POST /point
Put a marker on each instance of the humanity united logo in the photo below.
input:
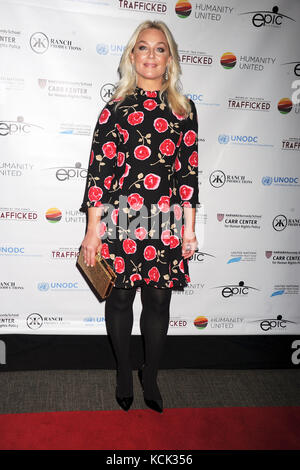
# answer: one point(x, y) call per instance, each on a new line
point(228, 60)
point(285, 105)
point(183, 9)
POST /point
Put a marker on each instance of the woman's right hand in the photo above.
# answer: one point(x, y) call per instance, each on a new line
point(91, 245)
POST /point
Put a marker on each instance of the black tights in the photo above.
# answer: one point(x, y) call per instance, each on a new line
point(154, 323)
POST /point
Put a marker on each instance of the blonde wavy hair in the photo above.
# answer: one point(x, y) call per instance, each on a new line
point(177, 102)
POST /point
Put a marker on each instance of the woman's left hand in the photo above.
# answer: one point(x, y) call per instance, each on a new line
point(189, 244)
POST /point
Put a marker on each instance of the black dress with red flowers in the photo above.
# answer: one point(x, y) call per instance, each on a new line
point(143, 170)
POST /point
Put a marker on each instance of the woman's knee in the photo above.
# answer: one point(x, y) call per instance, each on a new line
point(120, 298)
point(155, 298)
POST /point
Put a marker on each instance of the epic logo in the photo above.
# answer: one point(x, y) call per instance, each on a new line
point(267, 18)
point(232, 290)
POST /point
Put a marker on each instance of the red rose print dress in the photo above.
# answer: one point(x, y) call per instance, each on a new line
point(143, 169)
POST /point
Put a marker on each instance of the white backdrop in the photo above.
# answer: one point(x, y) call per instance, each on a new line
point(241, 66)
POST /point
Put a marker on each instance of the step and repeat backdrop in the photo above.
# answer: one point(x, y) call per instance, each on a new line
point(241, 66)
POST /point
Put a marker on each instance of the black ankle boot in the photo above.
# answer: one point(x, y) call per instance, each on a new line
point(124, 402)
point(155, 405)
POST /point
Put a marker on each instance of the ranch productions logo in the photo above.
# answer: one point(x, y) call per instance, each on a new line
point(66, 89)
point(106, 92)
point(291, 143)
point(242, 221)
point(245, 103)
point(201, 11)
point(18, 127)
point(40, 43)
point(283, 257)
point(218, 178)
point(235, 290)
point(35, 321)
point(15, 169)
point(262, 18)
point(281, 222)
point(144, 7)
point(10, 285)
point(246, 62)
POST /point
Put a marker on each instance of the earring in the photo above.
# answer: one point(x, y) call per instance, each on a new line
point(166, 74)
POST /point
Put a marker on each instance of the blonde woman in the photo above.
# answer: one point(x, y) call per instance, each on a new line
point(144, 150)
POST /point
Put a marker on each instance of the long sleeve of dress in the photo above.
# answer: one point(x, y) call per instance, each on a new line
point(102, 160)
point(187, 162)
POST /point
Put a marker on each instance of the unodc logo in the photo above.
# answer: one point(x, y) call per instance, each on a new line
point(267, 180)
point(43, 286)
point(102, 49)
point(223, 139)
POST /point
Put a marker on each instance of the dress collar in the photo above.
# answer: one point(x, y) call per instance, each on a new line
point(147, 93)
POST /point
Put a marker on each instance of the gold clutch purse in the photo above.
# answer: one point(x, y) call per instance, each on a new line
point(101, 275)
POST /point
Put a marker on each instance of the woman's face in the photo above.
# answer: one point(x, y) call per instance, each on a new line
point(150, 57)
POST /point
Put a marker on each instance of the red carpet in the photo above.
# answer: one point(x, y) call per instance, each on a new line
point(265, 428)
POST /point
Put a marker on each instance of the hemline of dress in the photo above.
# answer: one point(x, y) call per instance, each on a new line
point(140, 283)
